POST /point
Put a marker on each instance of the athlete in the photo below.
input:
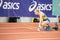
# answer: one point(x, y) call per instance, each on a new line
point(44, 21)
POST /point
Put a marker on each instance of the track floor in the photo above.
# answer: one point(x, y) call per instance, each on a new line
point(26, 31)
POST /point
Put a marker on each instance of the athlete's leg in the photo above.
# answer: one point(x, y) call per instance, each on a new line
point(39, 27)
point(45, 23)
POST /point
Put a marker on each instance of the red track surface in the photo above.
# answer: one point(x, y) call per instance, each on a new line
point(26, 31)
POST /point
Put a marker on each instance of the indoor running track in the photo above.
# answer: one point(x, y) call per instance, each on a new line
point(26, 31)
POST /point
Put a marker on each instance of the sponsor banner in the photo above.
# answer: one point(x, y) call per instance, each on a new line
point(24, 8)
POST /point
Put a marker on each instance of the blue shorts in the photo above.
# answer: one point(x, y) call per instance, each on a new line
point(47, 19)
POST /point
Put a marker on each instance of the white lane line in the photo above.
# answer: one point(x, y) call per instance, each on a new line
point(18, 28)
point(30, 33)
point(38, 38)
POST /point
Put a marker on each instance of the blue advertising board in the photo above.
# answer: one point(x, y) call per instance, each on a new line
point(24, 8)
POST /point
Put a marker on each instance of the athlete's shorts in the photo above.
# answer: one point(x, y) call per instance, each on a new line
point(47, 19)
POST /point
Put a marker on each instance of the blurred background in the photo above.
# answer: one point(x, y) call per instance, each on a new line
point(26, 19)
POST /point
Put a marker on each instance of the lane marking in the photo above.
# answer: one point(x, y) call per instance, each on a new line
point(37, 38)
point(31, 33)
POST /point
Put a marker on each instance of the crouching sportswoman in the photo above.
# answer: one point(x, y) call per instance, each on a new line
point(44, 20)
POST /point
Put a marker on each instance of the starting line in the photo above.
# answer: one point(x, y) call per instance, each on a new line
point(30, 32)
point(40, 39)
